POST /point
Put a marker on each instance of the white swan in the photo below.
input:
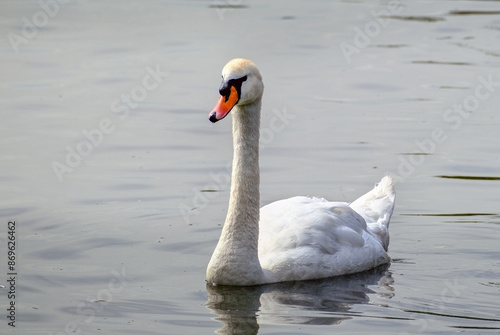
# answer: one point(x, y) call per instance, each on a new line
point(293, 239)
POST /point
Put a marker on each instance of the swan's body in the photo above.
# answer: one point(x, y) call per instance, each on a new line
point(292, 239)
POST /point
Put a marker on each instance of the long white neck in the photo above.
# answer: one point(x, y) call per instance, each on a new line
point(235, 260)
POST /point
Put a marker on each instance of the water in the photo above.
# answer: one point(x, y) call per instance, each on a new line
point(118, 183)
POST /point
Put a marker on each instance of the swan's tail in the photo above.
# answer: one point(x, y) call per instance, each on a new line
point(376, 208)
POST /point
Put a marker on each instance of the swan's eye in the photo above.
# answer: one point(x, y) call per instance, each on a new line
point(237, 82)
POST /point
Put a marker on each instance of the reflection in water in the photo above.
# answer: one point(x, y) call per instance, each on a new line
point(240, 309)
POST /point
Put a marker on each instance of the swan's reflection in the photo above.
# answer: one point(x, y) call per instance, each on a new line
point(241, 309)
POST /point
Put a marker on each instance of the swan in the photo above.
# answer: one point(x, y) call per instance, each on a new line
point(299, 238)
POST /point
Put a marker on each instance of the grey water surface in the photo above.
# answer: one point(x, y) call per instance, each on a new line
point(119, 184)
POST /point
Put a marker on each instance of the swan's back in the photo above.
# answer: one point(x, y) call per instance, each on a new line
point(305, 238)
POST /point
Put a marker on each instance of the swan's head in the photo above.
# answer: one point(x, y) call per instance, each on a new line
point(241, 85)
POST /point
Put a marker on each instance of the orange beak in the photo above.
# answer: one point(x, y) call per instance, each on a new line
point(224, 105)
